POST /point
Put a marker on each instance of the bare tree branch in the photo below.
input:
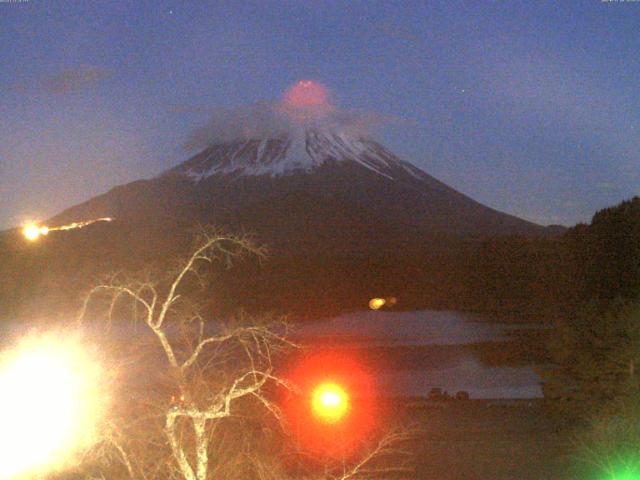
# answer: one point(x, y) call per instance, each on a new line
point(189, 447)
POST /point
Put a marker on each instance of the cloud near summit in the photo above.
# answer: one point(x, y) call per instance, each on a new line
point(268, 119)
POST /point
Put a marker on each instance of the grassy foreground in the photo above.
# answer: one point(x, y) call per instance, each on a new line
point(481, 440)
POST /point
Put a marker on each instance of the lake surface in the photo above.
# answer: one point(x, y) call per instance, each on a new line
point(432, 347)
point(412, 352)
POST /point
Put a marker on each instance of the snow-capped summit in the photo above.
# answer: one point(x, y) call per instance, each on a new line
point(300, 150)
point(304, 176)
point(299, 134)
point(301, 185)
point(343, 217)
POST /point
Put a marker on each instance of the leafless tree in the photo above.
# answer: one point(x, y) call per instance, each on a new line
point(208, 384)
point(387, 456)
point(200, 392)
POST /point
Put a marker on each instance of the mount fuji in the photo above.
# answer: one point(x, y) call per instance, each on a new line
point(306, 190)
point(343, 218)
point(303, 150)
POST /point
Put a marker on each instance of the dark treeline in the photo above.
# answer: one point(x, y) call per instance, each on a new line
point(520, 278)
point(592, 381)
point(583, 282)
point(585, 285)
point(605, 286)
point(552, 276)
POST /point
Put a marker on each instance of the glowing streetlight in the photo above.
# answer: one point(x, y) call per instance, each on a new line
point(330, 402)
point(376, 303)
point(50, 403)
point(32, 231)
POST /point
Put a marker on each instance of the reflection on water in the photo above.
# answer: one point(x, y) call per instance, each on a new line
point(434, 342)
point(412, 351)
point(426, 327)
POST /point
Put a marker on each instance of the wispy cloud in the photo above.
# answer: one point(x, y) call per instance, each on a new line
point(184, 108)
point(267, 119)
point(74, 78)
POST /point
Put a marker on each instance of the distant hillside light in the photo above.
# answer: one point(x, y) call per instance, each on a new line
point(329, 402)
point(32, 231)
point(377, 303)
point(50, 402)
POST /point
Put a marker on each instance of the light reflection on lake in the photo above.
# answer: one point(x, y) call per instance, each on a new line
point(430, 342)
point(441, 361)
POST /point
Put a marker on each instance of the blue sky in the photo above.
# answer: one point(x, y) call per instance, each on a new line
point(530, 107)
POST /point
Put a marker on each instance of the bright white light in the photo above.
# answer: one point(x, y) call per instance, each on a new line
point(32, 232)
point(49, 405)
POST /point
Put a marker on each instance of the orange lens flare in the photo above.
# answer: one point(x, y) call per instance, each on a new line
point(335, 405)
point(330, 402)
